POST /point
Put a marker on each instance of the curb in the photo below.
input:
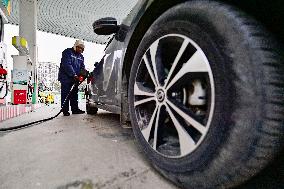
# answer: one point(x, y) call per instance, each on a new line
point(10, 111)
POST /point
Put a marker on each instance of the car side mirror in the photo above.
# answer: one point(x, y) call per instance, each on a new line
point(105, 26)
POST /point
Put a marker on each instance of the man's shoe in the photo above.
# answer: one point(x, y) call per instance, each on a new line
point(66, 113)
point(78, 112)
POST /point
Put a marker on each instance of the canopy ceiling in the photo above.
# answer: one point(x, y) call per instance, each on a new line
point(74, 18)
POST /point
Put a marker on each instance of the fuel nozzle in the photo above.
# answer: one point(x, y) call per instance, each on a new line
point(81, 78)
point(84, 74)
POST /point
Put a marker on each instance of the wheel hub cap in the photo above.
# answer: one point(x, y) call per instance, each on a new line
point(160, 95)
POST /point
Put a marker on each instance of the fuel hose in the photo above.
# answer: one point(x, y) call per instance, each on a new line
point(42, 120)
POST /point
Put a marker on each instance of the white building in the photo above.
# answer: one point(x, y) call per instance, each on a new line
point(47, 76)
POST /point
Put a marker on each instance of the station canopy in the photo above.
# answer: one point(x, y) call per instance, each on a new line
point(74, 18)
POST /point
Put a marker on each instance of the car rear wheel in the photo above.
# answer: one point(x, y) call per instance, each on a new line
point(91, 110)
point(205, 95)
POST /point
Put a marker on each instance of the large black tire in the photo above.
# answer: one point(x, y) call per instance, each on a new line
point(244, 97)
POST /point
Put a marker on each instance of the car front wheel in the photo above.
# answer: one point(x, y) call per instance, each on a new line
point(205, 95)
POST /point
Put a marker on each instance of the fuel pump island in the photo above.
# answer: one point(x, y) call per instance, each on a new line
point(18, 87)
point(21, 85)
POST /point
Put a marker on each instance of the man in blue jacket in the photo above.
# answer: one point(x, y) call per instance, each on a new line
point(72, 62)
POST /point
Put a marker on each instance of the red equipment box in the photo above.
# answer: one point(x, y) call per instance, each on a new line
point(20, 96)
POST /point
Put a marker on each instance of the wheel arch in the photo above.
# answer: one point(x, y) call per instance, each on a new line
point(276, 12)
point(151, 14)
point(154, 10)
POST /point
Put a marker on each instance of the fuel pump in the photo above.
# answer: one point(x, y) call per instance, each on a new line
point(21, 73)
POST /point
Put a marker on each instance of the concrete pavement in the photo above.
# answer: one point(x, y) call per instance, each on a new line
point(80, 151)
point(87, 152)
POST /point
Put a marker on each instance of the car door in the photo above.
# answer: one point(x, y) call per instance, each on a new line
point(107, 74)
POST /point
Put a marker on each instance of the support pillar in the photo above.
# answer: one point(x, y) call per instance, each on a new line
point(27, 29)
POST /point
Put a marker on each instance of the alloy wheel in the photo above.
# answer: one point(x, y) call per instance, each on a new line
point(174, 95)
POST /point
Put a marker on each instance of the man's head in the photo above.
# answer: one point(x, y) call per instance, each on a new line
point(79, 46)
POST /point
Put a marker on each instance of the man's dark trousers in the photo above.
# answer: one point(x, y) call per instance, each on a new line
point(73, 97)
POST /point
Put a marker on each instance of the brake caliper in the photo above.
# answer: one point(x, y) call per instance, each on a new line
point(198, 97)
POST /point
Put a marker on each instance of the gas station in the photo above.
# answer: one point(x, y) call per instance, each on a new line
point(70, 19)
point(192, 111)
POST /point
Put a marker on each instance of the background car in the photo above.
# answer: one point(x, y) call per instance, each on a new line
point(201, 82)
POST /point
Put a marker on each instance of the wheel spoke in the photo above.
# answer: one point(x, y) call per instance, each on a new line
point(139, 89)
point(185, 140)
point(195, 64)
point(180, 53)
point(150, 70)
point(202, 129)
point(146, 132)
point(173, 112)
point(153, 53)
point(156, 128)
point(139, 102)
